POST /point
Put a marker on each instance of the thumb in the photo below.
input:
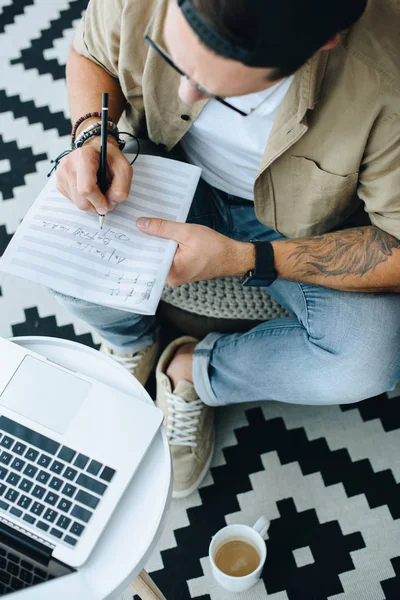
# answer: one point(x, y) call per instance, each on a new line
point(162, 228)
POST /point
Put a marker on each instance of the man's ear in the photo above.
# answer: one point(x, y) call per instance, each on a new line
point(332, 42)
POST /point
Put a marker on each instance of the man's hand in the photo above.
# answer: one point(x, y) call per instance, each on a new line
point(202, 253)
point(77, 177)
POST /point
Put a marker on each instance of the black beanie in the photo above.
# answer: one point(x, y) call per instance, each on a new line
point(281, 28)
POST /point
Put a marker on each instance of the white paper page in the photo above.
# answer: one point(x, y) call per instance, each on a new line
point(63, 248)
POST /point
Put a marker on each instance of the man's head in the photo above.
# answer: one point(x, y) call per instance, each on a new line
point(237, 47)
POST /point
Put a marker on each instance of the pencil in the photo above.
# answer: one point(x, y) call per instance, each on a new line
point(103, 152)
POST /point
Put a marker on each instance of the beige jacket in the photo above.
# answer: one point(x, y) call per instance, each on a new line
point(333, 157)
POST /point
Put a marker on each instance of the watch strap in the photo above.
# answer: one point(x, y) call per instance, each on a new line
point(264, 272)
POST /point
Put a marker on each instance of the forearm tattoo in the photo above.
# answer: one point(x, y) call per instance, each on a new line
point(349, 252)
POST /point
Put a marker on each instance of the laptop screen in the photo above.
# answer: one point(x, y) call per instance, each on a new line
point(22, 565)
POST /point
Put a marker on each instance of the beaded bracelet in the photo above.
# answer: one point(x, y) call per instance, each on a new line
point(97, 132)
point(121, 144)
point(81, 120)
point(111, 128)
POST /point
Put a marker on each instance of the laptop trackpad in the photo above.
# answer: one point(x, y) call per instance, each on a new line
point(46, 394)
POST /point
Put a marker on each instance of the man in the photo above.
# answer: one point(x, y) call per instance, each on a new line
point(300, 150)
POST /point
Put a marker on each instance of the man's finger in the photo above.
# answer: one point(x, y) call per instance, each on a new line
point(78, 200)
point(162, 228)
point(121, 172)
point(87, 188)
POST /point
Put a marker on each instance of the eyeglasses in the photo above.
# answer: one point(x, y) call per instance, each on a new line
point(161, 52)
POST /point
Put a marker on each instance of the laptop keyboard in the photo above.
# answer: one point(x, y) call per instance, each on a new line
point(16, 573)
point(50, 486)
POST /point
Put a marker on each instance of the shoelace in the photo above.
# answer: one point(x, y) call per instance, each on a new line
point(183, 420)
point(129, 362)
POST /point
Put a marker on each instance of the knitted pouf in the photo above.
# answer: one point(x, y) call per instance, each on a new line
point(224, 298)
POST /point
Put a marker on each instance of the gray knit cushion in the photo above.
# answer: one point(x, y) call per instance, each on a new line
point(224, 298)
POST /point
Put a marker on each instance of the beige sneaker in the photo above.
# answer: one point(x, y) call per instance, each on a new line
point(140, 364)
point(189, 424)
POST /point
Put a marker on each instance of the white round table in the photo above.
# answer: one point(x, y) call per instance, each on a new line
point(132, 533)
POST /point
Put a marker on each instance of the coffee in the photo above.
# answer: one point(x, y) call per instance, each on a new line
point(237, 558)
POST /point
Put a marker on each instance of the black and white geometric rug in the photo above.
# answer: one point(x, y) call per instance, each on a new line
point(328, 478)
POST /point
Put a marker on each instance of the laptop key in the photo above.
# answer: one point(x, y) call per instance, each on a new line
point(70, 473)
point(29, 519)
point(64, 505)
point(77, 529)
point(18, 464)
point(56, 532)
point(50, 515)
point(87, 499)
point(17, 584)
point(15, 511)
point(5, 457)
point(51, 498)
point(32, 454)
point(12, 495)
point(2, 488)
point(3, 472)
point(56, 483)
point(38, 491)
point(26, 576)
point(57, 467)
point(13, 557)
point(19, 448)
point(94, 467)
point(43, 476)
point(91, 484)
point(44, 460)
point(24, 502)
point(7, 441)
point(66, 454)
point(81, 513)
point(25, 485)
point(63, 522)
point(30, 470)
point(70, 540)
point(69, 490)
point(42, 525)
point(26, 565)
point(12, 568)
point(4, 505)
point(13, 478)
point(107, 474)
point(5, 577)
point(37, 508)
point(81, 461)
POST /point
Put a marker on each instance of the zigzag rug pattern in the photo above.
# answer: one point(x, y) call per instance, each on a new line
point(328, 478)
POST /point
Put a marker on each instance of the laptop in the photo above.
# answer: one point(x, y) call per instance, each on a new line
point(69, 447)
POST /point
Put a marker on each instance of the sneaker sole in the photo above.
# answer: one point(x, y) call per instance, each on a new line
point(193, 488)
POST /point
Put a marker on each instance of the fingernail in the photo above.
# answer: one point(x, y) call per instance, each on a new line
point(113, 205)
point(143, 223)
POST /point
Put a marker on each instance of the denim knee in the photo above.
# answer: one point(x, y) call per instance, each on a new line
point(361, 371)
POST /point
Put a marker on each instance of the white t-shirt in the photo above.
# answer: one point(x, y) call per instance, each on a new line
point(228, 147)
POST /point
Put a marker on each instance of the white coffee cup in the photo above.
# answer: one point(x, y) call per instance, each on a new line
point(252, 535)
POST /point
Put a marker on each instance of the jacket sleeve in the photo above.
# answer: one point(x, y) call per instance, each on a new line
point(379, 179)
point(99, 32)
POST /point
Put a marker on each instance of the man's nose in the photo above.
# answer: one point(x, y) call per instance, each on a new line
point(188, 93)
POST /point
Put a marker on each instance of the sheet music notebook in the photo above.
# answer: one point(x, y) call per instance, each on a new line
point(62, 248)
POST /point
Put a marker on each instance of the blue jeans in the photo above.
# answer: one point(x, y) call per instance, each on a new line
point(339, 347)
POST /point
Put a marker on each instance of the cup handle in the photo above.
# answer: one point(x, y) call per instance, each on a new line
point(261, 526)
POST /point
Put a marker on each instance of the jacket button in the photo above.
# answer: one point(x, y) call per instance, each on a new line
point(185, 117)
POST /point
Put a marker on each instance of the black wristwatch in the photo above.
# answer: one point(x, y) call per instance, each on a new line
point(264, 273)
